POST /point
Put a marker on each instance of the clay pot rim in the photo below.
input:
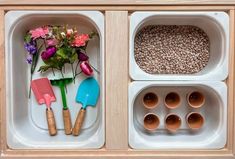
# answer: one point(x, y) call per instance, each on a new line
point(203, 120)
point(172, 130)
point(170, 106)
point(157, 104)
point(198, 106)
point(157, 119)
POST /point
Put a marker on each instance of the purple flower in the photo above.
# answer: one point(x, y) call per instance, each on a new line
point(49, 52)
point(82, 56)
point(31, 47)
point(29, 59)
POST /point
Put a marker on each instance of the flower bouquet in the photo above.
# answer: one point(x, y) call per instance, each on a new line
point(57, 46)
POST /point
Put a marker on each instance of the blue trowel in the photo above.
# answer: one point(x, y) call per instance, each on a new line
point(88, 95)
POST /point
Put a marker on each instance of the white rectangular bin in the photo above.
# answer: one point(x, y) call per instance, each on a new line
point(212, 135)
point(214, 24)
point(26, 120)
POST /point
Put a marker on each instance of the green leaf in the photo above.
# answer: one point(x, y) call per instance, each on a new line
point(73, 58)
point(62, 52)
point(92, 34)
point(44, 68)
point(27, 38)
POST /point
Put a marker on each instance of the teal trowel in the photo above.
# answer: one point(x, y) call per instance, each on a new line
point(61, 83)
point(87, 94)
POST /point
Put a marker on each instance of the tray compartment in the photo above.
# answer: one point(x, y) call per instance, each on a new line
point(213, 133)
point(26, 121)
point(214, 24)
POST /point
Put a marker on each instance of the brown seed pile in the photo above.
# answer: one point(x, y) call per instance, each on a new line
point(171, 49)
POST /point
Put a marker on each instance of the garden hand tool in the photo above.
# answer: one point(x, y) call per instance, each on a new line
point(61, 83)
point(44, 94)
point(87, 95)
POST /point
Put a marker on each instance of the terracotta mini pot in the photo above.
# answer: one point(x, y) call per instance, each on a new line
point(172, 100)
point(151, 121)
point(172, 122)
point(195, 120)
point(150, 100)
point(196, 99)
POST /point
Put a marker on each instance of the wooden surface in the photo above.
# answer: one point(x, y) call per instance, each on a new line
point(128, 8)
point(116, 58)
point(79, 121)
point(67, 121)
point(230, 83)
point(2, 86)
point(116, 79)
point(114, 2)
point(51, 122)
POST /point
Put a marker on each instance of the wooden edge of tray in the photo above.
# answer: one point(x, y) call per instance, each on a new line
point(119, 2)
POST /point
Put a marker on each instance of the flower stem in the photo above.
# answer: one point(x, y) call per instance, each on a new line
point(45, 44)
point(31, 78)
point(73, 73)
point(95, 69)
point(77, 74)
point(61, 73)
point(77, 67)
point(53, 71)
point(63, 78)
point(33, 66)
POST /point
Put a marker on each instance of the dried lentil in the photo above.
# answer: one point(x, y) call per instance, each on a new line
point(171, 49)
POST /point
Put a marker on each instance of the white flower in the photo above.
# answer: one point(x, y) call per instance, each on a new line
point(63, 34)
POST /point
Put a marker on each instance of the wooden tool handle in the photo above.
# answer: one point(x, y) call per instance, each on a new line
point(51, 122)
point(67, 121)
point(79, 122)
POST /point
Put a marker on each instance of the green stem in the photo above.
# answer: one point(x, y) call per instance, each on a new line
point(61, 73)
point(53, 71)
point(31, 78)
point(73, 73)
point(77, 66)
point(34, 65)
point(77, 74)
point(95, 69)
point(45, 44)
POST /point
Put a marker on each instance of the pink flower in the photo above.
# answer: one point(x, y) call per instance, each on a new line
point(86, 68)
point(80, 40)
point(52, 42)
point(39, 32)
point(69, 32)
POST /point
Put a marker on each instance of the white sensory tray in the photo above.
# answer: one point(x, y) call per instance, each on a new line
point(214, 24)
point(26, 120)
point(213, 134)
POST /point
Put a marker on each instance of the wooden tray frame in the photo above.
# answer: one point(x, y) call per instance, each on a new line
point(117, 78)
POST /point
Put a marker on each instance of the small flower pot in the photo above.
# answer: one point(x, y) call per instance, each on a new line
point(150, 100)
point(172, 122)
point(195, 120)
point(172, 100)
point(196, 99)
point(151, 122)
